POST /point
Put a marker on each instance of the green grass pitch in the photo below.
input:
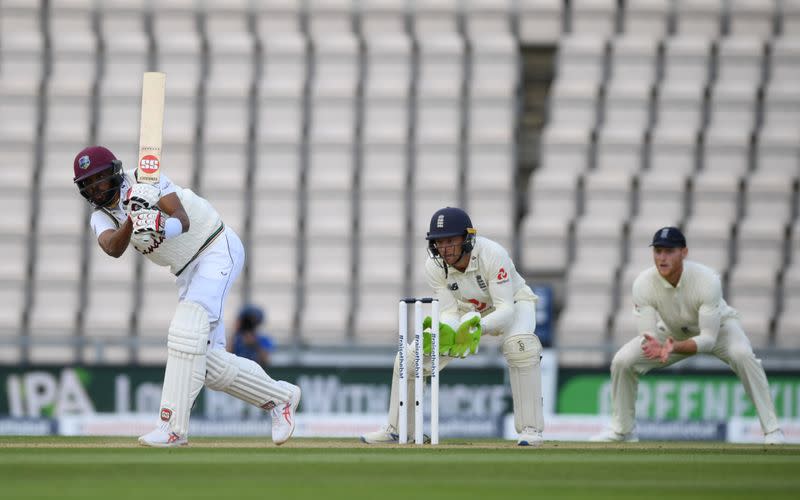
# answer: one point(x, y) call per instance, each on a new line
point(225, 468)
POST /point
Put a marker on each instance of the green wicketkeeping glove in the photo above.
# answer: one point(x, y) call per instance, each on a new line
point(467, 338)
point(446, 337)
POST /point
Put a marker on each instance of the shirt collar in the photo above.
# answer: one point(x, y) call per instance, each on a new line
point(667, 284)
point(473, 262)
point(471, 266)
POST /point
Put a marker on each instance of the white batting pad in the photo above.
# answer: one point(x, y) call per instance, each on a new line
point(186, 365)
point(244, 379)
point(523, 354)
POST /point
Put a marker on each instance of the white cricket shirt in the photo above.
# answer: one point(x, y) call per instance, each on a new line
point(692, 309)
point(490, 285)
point(204, 226)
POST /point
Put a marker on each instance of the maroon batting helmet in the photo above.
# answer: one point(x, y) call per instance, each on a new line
point(98, 175)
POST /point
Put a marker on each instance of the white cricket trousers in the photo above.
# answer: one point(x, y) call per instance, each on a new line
point(732, 347)
point(210, 277)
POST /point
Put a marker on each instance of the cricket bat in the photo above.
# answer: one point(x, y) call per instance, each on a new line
point(148, 168)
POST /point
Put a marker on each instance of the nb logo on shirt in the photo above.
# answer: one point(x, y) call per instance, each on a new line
point(453, 286)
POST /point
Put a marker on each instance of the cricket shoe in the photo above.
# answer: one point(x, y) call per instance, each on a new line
point(388, 435)
point(385, 435)
point(609, 436)
point(530, 437)
point(283, 416)
point(162, 437)
point(774, 437)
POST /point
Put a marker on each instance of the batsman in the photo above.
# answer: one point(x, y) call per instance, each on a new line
point(480, 292)
point(174, 227)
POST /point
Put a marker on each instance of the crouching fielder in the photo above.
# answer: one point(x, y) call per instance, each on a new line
point(474, 277)
point(174, 227)
point(680, 312)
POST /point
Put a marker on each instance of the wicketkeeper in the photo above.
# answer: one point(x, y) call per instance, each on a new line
point(479, 292)
point(174, 227)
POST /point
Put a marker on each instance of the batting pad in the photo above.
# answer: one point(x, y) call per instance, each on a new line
point(523, 354)
point(186, 364)
point(244, 379)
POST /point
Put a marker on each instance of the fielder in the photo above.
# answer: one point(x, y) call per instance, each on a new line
point(174, 227)
point(680, 312)
point(479, 290)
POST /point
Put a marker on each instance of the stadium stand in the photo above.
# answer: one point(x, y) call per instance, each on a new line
point(327, 131)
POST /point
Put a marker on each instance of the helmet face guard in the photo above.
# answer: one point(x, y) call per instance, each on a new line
point(466, 247)
point(101, 187)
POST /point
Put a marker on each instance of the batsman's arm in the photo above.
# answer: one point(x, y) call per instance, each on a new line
point(171, 205)
point(115, 241)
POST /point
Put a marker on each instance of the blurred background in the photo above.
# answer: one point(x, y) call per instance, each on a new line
point(327, 132)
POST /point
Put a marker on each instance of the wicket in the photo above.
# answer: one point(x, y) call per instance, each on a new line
point(419, 381)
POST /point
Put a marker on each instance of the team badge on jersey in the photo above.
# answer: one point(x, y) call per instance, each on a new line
point(452, 286)
point(481, 282)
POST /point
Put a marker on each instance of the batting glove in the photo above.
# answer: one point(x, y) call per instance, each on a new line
point(141, 196)
point(148, 221)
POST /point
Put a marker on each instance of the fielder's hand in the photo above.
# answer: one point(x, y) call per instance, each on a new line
point(140, 197)
point(148, 222)
point(446, 337)
point(654, 349)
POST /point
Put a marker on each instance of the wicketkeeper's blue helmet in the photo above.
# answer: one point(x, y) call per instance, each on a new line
point(448, 222)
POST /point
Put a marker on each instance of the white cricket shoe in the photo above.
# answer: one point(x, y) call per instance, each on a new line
point(162, 437)
point(388, 435)
point(774, 437)
point(530, 437)
point(283, 416)
point(609, 436)
point(385, 435)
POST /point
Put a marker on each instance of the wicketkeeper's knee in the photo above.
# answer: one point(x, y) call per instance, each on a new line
point(521, 350)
